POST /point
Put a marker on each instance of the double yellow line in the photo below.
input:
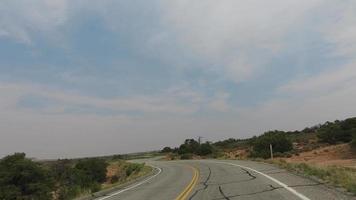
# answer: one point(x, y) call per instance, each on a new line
point(184, 195)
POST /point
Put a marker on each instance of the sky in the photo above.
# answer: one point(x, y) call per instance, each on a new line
point(89, 77)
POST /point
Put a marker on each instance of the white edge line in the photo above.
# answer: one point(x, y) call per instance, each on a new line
point(133, 186)
point(301, 196)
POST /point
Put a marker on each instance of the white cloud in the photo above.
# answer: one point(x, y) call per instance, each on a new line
point(329, 95)
point(235, 36)
point(297, 113)
point(55, 133)
point(20, 17)
point(340, 29)
point(220, 102)
point(328, 81)
point(175, 100)
point(169, 102)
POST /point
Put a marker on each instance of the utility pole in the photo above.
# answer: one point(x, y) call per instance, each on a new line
point(271, 149)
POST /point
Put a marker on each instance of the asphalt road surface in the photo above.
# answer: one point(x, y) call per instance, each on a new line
point(224, 180)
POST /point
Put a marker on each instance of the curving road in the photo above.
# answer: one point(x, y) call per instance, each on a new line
point(224, 180)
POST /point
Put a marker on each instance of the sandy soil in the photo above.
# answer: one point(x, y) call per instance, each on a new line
point(340, 155)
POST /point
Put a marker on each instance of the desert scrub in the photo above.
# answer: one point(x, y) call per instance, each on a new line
point(134, 168)
point(338, 176)
point(122, 172)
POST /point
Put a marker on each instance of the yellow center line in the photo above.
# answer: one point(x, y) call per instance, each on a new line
point(184, 195)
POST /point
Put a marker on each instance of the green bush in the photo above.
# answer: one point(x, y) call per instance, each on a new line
point(190, 146)
point(134, 168)
point(93, 168)
point(338, 131)
point(279, 141)
point(205, 149)
point(166, 150)
point(114, 179)
point(95, 187)
point(228, 143)
point(21, 178)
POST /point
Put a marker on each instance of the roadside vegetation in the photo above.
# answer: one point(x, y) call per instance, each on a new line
point(289, 143)
point(191, 149)
point(22, 178)
point(336, 175)
point(284, 143)
point(325, 151)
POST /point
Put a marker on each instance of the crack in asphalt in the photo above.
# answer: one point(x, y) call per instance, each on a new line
point(249, 173)
point(272, 188)
point(207, 179)
point(251, 177)
point(223, 194)
point(205, 183)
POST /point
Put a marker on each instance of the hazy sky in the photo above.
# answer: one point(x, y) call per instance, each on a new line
point(94, 77)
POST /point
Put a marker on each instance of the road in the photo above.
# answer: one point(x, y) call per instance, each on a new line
point(224, 180)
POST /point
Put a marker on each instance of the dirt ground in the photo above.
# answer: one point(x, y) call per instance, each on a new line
point(340, 155)
point(237, 154)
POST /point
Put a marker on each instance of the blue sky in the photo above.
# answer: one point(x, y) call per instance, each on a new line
point(82, 78)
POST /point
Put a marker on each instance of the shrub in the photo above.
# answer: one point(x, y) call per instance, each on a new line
point(134, 168)
point(189, 146)
point(21, 178)
point(93, 168)
point(278, 139)
point(114, 179)
point(95, 187)
point(338, 131)
point(166, 150)
point(205, 149)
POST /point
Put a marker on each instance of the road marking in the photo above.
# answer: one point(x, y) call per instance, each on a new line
point(301, 196)
point(133, 186)
point(184, 195)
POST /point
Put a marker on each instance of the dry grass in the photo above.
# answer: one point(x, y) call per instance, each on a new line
point(118, 169)
point(344, 177)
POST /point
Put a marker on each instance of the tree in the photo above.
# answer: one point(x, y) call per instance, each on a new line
point(338, 131)
point(189, 146)
point(166, 150)
point(228, 143)
point(21, 178)
point(205, 149)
